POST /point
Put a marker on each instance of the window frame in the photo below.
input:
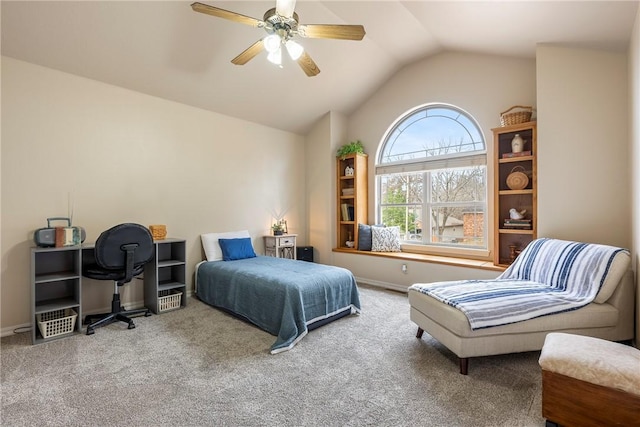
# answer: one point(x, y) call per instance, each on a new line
point(426, 166)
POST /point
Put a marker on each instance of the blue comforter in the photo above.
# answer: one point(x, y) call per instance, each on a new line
point(281, 296)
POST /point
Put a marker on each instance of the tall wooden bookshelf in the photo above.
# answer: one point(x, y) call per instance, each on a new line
point(510, 239)
point(352, 198)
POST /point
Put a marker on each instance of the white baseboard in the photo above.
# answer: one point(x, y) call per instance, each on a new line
point(379, 284)
point(9, 330)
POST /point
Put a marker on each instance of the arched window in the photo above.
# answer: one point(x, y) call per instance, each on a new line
point(431, 178)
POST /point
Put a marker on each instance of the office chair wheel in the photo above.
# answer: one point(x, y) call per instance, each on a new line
point(90, 331)
point(131, 325)
point(147, 314)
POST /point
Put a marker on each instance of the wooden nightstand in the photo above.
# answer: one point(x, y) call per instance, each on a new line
point(283, 246)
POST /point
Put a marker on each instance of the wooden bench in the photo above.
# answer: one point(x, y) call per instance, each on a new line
point(588, 381)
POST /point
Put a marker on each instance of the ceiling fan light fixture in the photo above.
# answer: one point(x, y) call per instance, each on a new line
point(295, 49)
point(281, 24)
point(285, 7)
point(272, 43)
point(275, 57)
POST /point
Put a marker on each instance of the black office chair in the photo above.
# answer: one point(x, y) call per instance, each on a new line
point(120, 254)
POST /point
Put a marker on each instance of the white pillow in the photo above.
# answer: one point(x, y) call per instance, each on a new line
point(385, 239)
point(211, 246)
point(617, 269)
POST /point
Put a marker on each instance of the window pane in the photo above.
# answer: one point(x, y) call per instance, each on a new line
point(431, 177)
point(459, 185)
point(401, 189)
point(458, 225)
point(408, 218)
point(432, 132)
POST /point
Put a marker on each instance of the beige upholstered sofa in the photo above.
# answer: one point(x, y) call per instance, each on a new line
point(609, 316)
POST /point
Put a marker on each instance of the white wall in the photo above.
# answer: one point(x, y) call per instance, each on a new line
point(634, 132)
point(125, 156)
point(583, 145)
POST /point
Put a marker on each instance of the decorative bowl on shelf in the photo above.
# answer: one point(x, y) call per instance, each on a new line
point(517, 179)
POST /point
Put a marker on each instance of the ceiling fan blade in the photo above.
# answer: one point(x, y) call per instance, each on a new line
point(285, 7)
point(249, 53)
point(308, 66)
point(221, 13)
point(342, 32)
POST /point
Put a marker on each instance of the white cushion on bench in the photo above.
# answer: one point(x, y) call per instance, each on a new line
point(593, 360)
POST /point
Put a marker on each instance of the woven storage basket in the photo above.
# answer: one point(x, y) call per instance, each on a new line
point(508, 118)
point(158, 232)
point(169, 300)
point(517, 179)
point(57, 322)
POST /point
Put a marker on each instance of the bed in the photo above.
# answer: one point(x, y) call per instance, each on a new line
point(284, 297)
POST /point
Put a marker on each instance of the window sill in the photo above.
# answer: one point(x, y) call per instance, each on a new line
point(453, 261)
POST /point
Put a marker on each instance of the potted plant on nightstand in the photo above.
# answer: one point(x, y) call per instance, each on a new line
point(278, 229)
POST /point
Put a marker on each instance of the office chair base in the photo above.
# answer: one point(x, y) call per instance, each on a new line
point(118, 313)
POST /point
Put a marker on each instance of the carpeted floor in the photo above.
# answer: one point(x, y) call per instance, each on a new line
point(201, 367)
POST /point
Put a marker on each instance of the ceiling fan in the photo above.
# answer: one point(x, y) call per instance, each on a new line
point(281, 25)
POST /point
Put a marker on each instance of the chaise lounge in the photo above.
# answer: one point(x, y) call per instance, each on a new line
point(553, 286)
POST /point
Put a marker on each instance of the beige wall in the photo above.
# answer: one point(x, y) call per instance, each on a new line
point(583, 145)
point(587, 133)
point(634, 132)
point(321, 144)
point(319, 193)
point(125, 156)
point(581, 99)
point(195, 170)
point(484, 86)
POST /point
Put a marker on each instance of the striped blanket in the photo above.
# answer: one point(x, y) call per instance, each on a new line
point(549, 276)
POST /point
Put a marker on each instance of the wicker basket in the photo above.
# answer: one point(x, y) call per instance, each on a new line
point(517, 179)
point(508, 118)
point(169, 300)
point(57, 322)
point(158, 232)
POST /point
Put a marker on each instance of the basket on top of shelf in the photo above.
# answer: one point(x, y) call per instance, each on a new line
point(57, 322)
point(508, 118)
point(169, 299)
point(158, 232)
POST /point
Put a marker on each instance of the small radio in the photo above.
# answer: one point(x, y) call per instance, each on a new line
point(59, 236)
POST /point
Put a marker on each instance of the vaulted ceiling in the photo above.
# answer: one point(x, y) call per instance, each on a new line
point(165, 49)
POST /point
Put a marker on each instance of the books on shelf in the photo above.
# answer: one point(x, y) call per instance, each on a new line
point(522, 224)
point(347, 212)
point(347, 191)
point(520, 154)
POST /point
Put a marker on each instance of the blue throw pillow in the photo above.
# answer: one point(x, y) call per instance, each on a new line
point(233, 249)
point(364, 236)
